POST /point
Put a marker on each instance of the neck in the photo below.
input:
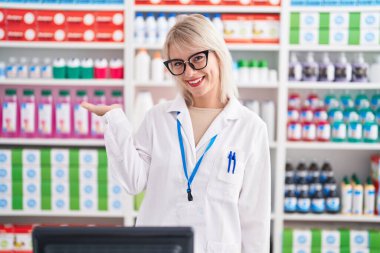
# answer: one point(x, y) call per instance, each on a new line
point(207, 103)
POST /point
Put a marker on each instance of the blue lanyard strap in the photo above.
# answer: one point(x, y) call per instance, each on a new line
point(195, 170)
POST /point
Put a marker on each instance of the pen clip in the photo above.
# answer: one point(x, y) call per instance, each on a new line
point(229, 161)
point(234, 159)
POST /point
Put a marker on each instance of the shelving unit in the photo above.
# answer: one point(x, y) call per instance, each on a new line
point(281, 149)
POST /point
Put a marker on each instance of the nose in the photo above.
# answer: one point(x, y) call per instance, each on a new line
point(189, 71)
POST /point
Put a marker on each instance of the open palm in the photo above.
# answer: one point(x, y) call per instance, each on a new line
point(99, 110)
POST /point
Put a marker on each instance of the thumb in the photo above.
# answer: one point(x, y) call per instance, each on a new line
point(88, 106)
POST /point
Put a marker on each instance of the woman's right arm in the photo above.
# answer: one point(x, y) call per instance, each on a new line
point(128, 158)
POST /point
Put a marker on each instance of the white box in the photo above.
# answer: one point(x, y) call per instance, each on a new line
point(60, 189)
point(330, 239)
point(356, 250)
point(369, 36)
point(330, 250)
point(309, 20)
point(369, 19)
point(309, 37)
point(116, 205)
point(88, 157)
point(60, 203)
point(31, 188)
point(301, 250)
point(339, 20)
point(115, 190)
point(88, 174)
point(359, 239)
point(60, 157)
point(59, 173)
point(6, 241)
point(301, 238)
point(88, 204)
point(5, 173)
point(5, 188)
point(338, 36)
point(31, 157)
point(89, 189)
point(5, 202)
point(32, 173)
point(31, 202)
point(5, 157)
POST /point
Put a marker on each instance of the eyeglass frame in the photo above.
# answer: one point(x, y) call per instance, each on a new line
point(206, 52)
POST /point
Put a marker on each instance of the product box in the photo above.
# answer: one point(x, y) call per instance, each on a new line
point(308, 37)
point(32, 188)
point(359, 250)
point(51, 26)
point(339, 20)
point(31, 157)
point(330, 239)
point(5, 173)
point(6, 238)
point(5, 203)
point(109, 34)
point(3, 14)
point(31, 203)
point(80, 20)
point(3, 34)
point(338, 37)
point(22, 238)
point(301, 238)
point(369, 36)
point(31, 173)
point(266, 28)
point(238, 28)
point(88, 157)
point(59, 173)
point(359, 239)
point(309, 20)
point(266, 2)
point(88, 174)
point(20, 33)
point(5, 157)
point(301, 250)
point(59, 157)
point(330, 250)
point(60, 196)
point(113, 19)
point(23, 18)
point(369, 19)
point(88, 203)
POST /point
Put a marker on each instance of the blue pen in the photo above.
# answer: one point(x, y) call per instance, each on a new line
point(234, 158)
point(229, 161)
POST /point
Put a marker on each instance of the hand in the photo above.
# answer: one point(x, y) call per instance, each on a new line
point(99, 110)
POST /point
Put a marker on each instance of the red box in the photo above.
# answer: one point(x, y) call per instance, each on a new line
point(6, 238)
point(51, 26)
point(237, 2)
point(21, 33)
point(109, 34)
point(266, 2)
point(3, 15)
point(80, 20)
point(21, 18)
point(23, 239)
point(266, 28)
point(238, 28)
point(113, 19)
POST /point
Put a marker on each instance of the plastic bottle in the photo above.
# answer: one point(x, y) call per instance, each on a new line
point(313, 172)
point(28, 114)
point(357, 204)
point(268, 115)
point(375, 101)
point(63, 114)
point(35, 68)
point(338, 129)
point(144, 102)
point(73, 68)
point(151, 28)
point(142, 63)
point(300, 179)
point(162, 28)
point(370, 129)
point(101, 68)
point(346, 101)
point(331, 101)
point(362, 101)
point(87, 68)
point(347, 194)
point(289, 171)
point(333, 202)
point(369, 198)
point(318, 201)
point(218, 23)
point(243, 67)
point(374, 71)
point(360, 69)
point(343, 69)
point(290, 201)
point(45, 121)
point(139, 28)
point(326, 69)
point(303, 202)
point(117, 69)
point(10, 114)
point(22, 69)
point(307, 114)
point(116, 97)
point(11, 69)
point(97, 126)
point(46, 69)
point(81, 115)
point(295, 68)
point(2, 70)
point(313, 185)
point(330, 185)
point(326, 172)
point(157, 68)
point(59, 68)
point(310, 68)
point(263, 71)
point(354, 129)
point(171, 20)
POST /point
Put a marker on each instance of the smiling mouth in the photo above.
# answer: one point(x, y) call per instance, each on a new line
point(195, 82)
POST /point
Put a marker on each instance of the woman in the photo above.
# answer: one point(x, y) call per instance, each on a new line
point(203, 158)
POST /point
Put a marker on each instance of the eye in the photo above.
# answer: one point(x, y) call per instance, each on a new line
point(177, 64)
point(198, 58)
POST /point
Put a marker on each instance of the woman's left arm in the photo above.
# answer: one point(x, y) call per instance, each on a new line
point(255, 196)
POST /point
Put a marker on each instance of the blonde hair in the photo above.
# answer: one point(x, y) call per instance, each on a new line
point(196, 30)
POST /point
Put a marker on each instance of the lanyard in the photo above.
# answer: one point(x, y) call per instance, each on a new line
point(195, 170)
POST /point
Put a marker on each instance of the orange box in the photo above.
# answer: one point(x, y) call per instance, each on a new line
point(109, 34)
point(266, 28)
point(238, 28)
point(111, 19)
point(21, 17)
point(21, 33)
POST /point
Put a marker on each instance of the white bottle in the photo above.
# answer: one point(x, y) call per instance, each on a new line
point(357, 204)
point(157, 68)
point(343, 69)
point(22, 69)
point(268, 115)
point(263, 71)
point(11, 70)
point(151, 29)
point(46, 69)
point(172, 19)
point(144, 102)
point(35, 68)
point(162, 28)
point(254, 72)
point(217, 21)
point(374, 71)
point(139, 24)
point(295, 68)
point(326, 69)
point(142, 63)
point(369, 198)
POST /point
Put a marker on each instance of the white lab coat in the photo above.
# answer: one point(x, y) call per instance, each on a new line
point(230, 213)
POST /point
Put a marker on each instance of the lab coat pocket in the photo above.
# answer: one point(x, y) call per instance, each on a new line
point(218, 247)
point(230, 167)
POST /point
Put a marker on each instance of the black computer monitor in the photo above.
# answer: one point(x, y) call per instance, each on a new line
point(112, 240)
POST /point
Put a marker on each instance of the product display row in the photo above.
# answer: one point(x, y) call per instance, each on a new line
point(151, 28)
point(92, 2)
point(50, 25)
point(328, 3)
point(335, 28)
point(333, 70)
point(53, 113)
point(212, 2)
point(330, 241)
point(73, 68)
point(58, 180)
point(252, 72)
point(334, 119)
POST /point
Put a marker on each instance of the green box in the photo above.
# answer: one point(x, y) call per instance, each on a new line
point(354, 37)
point(374, 240)
point(287, 240)
point(324, 20)
point(294, 37)
point(294, 20)
point(344, 239)
point(354, 20)
point(324, 37)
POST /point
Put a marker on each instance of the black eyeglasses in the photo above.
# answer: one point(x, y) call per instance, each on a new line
point(196, 61)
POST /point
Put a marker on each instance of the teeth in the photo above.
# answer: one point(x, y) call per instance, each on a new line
point(195, 81)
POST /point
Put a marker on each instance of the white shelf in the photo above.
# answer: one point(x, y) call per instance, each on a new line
point(331, 218)
point(333, 8)
point(52, 142)
point(65, 82)
point(258, 86)
point(333, 146)
point(169, 84)
point(73, 214)
point(152, 84)
point(231, 46)
point(207, 9)
point(62, 45)
point(335, 48)
point(332, 85)
point(75, 7)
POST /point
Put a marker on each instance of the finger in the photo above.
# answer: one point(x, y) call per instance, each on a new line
point(88, 106)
